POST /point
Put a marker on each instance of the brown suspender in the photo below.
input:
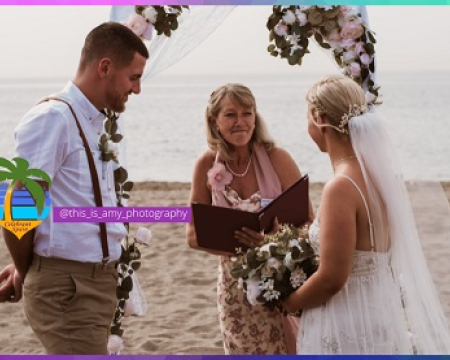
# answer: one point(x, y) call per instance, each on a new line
point(94, 177)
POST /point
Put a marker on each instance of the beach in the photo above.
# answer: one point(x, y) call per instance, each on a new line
point(180, 283)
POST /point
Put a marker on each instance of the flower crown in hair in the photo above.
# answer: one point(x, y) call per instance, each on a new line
point(353, 110)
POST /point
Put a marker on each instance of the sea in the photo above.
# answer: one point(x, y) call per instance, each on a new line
point(165, 133)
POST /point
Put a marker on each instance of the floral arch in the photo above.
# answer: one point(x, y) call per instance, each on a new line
point(341, 30)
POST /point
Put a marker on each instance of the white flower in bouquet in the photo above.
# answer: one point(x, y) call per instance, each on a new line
point(294, 48)
point(289, 18)
point(370, 98)
point(115, 345)
point(266, 247)
point(270, 293)
point(253, 291)
point(271, 267)
point(151, 14)
point(143, 235)
point(298, 277)
point(302, 17)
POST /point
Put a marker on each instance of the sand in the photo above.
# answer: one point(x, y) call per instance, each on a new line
point(180, 283)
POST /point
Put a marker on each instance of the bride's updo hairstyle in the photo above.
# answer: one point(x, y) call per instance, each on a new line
point(336, 98)
point(242, 96)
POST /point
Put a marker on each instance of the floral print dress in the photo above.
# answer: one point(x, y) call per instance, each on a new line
point(246, 329)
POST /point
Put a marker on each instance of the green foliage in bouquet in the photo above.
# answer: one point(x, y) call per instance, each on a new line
point(269, 273)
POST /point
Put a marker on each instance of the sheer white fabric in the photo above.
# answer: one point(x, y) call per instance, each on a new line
point(195, 25)
point(389, 304)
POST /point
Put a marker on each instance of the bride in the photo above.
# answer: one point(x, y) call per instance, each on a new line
point(372, 293)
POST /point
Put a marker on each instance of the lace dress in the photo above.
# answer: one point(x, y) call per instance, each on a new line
point(360, 318)
point(246, 329)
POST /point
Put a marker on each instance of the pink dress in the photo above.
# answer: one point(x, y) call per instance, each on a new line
point(246, 329)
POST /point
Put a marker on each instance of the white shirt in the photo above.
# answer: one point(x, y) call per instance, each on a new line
point(49, 139)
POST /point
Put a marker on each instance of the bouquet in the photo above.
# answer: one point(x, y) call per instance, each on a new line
point(269, 273)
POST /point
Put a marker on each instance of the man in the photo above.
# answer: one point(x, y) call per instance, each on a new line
point(69, 293)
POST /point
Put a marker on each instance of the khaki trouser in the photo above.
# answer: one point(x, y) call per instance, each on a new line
point(70, 305)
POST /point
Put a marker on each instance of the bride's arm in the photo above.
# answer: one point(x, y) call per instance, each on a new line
point(337, 246)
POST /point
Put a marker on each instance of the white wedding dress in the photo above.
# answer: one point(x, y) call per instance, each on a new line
point(365, 317)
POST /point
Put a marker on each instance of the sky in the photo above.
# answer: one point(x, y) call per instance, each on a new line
point(45, 41)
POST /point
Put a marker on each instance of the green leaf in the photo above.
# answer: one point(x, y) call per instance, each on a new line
point(325, 45)
point(293, 59)
point(318, 38)
point(371, 37)
point(315, 17)
point(103, 139)
point(108, 125)
point(113, 127)
point(128, 186)
point(125, 196)
point(116, 138)
point(120, 175)
point(271, 48)
point(174, 25)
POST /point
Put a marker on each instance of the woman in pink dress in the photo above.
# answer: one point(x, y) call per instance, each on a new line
point(243, 169)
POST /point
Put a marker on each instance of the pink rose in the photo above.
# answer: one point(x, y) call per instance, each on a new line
point(137, 24)
point(347, 43)
point(365, 59)
point(359, 48)
point(352, 30)
point(218, 177)
point(355, 69)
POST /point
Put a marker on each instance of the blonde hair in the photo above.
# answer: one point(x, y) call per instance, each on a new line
point(333, 98)
point(238, 95)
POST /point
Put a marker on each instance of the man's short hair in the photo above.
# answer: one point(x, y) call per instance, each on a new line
point(112, 40)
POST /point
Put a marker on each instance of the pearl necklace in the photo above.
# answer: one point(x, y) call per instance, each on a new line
point(246, 169)
point(343, 159)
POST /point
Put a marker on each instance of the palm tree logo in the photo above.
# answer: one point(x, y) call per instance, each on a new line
point(17, 172)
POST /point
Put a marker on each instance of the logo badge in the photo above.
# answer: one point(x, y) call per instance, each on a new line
point(24, 196)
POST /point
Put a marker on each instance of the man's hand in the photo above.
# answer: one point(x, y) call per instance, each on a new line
point(10, 284)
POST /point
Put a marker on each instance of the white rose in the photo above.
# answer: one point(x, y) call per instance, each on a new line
point(266, 247)
point(289, 17)
point(143, 235)
point(115, 345)
point(302, 18)
point(112, 147)
point(150, 14)
point(281, 29)
point(137, 24)
point(349, 56)
point(253, 291)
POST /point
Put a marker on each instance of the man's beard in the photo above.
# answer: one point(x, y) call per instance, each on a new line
point(115, 101)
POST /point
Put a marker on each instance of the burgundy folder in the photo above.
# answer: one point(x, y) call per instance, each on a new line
point(215, 226)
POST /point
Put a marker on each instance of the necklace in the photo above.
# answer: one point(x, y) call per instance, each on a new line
point(342, 160)
point(246, 169)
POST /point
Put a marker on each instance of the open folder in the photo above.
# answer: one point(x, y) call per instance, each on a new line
point(215, 226)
